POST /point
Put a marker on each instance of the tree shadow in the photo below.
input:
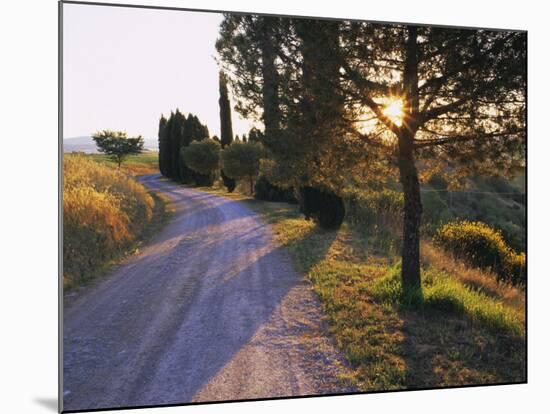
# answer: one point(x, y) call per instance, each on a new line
point(441, 349)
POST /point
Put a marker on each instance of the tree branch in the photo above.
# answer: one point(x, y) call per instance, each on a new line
point(459, 138)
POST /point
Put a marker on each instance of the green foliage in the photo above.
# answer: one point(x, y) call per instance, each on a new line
point(442, 292)
point(162, 145)
point(301, 73)
point(226, 127)
point(515, 268)
point(496, 201)
point(117, 144)
point(174, 134)
point(203, 157)
point(481, 246)
point(378, 210)
point(176, 141)
point(324, 206)
point(434, 209)
point(241, 161)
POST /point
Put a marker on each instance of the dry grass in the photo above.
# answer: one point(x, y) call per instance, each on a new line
point(105, 212)
point(482, 280)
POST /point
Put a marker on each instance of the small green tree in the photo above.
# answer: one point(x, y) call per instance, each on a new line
point(203, 157)
point(117, 145)
point(241, 161)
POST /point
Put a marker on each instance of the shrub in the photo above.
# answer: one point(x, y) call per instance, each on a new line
point(265, 190)
point(241, 161)
point(203, 157)
point(481, 246)
point(326, 208)
point(515, 266)
point(103, 212)
point(378, 210)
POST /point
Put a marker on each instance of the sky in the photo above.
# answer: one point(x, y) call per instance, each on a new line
point(123, 67)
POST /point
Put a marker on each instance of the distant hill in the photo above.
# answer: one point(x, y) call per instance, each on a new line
point(87, 145)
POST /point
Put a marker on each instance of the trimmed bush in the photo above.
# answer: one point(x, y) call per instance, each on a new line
point(203, 157)
point(484, 247)
point(325, 207)
point(265, 190)
point(241, 161)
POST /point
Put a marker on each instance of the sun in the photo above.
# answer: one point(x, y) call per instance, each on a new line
point(394, 110)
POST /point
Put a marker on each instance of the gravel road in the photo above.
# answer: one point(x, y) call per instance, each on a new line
point(211, 309)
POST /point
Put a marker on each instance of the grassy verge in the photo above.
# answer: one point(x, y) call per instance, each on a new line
point(463, 329)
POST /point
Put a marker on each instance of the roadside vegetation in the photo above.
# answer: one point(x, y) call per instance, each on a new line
point(463, 327)
point(106, 215)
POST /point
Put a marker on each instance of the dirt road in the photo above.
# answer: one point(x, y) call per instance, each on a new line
point(210, 310)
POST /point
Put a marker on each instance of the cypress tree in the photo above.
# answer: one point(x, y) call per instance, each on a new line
point(167, 147)
point(162, 143)
point(193, 130)
point(176, 138)
point(226, 127)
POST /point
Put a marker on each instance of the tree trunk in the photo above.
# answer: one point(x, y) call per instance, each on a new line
point(412, 213)
point(412, 207)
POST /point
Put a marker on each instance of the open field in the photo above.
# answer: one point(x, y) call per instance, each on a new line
point(144, 163)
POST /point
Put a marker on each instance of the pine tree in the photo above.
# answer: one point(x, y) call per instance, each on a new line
point(456, 100)
point(453, 99)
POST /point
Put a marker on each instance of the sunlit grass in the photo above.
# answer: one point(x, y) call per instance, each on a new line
point(105, 212)
point(140, 164)
point(442, 292)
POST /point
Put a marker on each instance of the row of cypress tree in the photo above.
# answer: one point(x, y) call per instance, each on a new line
point(175, 133)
